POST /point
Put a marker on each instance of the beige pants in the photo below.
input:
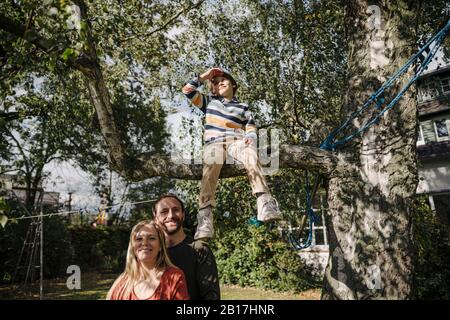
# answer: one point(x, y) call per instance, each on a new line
point(215, 155)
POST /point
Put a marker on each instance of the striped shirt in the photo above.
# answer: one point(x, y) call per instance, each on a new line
point(223, 119)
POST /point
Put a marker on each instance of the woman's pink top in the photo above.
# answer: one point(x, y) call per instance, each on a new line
point(172, 286)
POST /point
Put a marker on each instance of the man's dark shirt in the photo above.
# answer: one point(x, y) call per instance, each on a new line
point(198, 263)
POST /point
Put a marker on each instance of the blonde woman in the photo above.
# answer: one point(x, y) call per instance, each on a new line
point(149, 274)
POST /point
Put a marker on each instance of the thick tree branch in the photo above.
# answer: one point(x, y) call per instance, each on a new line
point(99, 95)
point(297, 157)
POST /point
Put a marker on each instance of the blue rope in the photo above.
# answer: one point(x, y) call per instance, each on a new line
point(330, 144)
point(312, 217)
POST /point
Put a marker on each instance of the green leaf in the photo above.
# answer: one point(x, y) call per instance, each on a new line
point(3, 220)
point(69, 53)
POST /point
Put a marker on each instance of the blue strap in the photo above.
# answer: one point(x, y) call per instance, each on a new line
point(425, 55)
point(312, 217)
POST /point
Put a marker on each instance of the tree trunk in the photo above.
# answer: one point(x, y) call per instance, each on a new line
point(369, 221)
point(89, 65)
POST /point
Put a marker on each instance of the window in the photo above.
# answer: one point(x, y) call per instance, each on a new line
point(420, 139)
point(442, 132)
point(319, 235)
point(445, 83)
point(428, 91)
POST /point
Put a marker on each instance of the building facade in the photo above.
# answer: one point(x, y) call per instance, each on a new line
point(433, 143)
point(15, 189)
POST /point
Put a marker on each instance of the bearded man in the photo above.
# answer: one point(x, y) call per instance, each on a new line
point(195, 258)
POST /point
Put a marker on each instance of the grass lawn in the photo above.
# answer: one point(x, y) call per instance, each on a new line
point(94, 286)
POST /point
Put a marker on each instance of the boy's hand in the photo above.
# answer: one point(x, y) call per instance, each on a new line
point(248, 141)
point(211, 73)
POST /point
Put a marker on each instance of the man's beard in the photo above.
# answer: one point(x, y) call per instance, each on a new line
point(172, 231)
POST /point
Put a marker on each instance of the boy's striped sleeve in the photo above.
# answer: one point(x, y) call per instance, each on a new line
point(190, 90)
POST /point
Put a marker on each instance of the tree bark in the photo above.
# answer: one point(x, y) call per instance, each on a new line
point(369, 221)
point(89, 65)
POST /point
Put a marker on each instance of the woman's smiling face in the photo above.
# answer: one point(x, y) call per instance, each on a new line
point(146, 244)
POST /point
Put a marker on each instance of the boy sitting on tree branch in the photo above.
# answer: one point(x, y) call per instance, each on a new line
point(229, 128)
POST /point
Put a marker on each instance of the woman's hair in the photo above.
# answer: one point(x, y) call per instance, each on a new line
point(133, 272)
point(227, 76)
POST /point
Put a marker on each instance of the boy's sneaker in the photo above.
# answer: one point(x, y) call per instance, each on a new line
point(205, 227)
point(267, 208)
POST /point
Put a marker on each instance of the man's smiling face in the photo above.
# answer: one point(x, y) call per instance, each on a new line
point(169, 214)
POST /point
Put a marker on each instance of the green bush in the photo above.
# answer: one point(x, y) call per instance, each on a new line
point(58, 249)
point(114, 245)
point(252, 256)
point(101, 248)
point(432, 261)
